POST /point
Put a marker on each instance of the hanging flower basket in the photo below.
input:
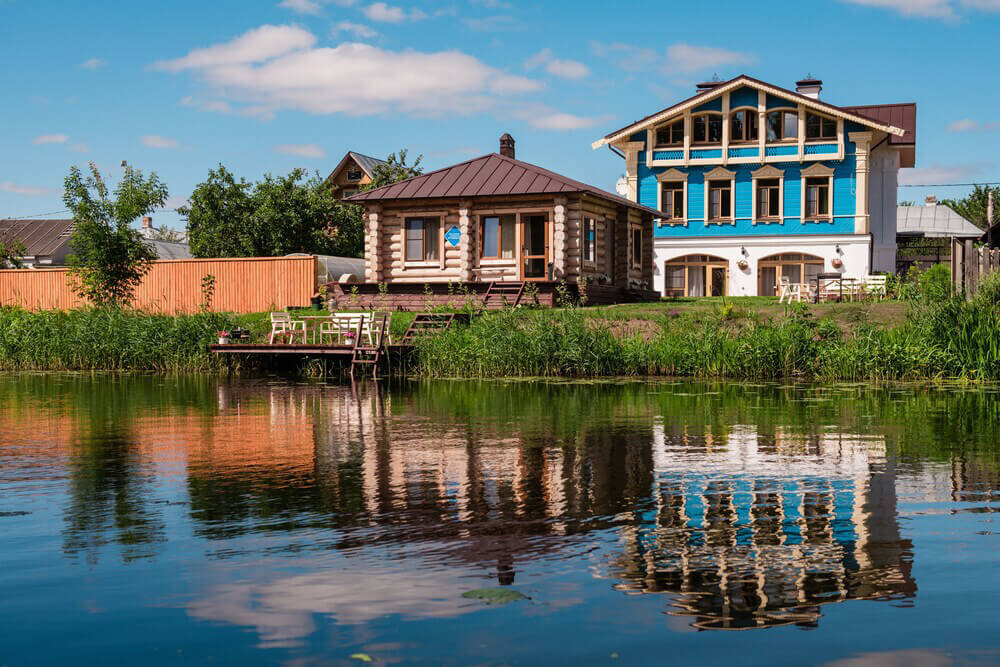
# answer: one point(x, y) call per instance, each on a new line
point(743, 264)
point(837, 262)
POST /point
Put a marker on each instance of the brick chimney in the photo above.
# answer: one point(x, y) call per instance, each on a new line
point(809, 87)
point(147, 222)
point(507, 146)
point(930, 200)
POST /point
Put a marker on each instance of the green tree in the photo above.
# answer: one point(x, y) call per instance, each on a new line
point(973, 206)
point(108, 257)
point(394, 170)
point(11, 252)
point(276, 216)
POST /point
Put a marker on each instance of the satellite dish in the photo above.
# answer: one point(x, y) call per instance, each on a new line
point(621, 187)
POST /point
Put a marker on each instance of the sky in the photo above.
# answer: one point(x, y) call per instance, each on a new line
point(179, 87)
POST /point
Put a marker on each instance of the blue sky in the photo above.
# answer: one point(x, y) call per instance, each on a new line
point(178, 87)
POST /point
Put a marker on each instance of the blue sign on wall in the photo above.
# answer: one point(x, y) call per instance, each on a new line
point(453, 236)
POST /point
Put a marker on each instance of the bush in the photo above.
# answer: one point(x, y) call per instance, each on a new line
point(935, 283)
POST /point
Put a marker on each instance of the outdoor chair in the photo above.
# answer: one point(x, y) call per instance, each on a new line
point(788, 290)
point(876, 286)
point(342, 325)
point(283, 326)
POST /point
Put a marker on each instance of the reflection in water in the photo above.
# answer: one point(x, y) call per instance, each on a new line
point(741, 507)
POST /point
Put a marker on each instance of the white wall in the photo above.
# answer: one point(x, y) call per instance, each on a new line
point(854, 253)
point(883, 185)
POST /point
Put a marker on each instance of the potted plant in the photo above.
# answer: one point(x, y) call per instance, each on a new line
point(837, 262)
point(223, 337)
point(743, 264)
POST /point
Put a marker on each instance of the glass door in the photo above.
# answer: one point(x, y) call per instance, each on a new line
point(534, 247)
point(718, 276)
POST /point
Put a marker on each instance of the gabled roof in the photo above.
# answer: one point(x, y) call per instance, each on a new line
point(366, 162)
point(488, 176)
point(903, 116)
point(170, 249)
point(938, 221)
point(40, 238)
point(732, 84)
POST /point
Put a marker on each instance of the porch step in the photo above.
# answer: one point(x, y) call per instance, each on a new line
point(370, 355)
point(428, 324)
point(500, 295)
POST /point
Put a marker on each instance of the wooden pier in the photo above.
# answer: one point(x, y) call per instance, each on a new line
point(307, 349)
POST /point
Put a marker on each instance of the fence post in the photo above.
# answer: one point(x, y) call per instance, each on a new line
point(967, 256)
point(956, 277)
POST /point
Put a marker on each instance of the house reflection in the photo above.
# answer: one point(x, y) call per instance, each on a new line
point(742, 528)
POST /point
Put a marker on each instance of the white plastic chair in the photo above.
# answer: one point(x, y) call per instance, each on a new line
point(342, 325)
point(283, 326)
point(788, 290)
point(876, 285)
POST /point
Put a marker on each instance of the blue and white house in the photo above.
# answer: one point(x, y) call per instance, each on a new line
point(757, 182)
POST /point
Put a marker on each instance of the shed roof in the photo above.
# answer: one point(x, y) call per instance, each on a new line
point(40, 238)
point(489, 176)
point(938, 221)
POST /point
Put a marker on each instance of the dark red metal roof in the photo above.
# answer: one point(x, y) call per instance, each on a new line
point(903, 116)
point(39, 237)
point(489, 176)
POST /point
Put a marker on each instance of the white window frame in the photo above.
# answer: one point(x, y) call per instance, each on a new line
point(672, 176)
point(816, 170)
point(588, 262)
point(721, 174)
point(766, 173)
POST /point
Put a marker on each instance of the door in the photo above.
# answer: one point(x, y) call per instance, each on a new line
point(718, 280)
point(534, 247)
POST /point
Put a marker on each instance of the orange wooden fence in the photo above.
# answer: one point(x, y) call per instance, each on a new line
point(242, 285)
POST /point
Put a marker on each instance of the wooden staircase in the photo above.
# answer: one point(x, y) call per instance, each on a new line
point(428, 324)
point(499, 295)
point(370, 354)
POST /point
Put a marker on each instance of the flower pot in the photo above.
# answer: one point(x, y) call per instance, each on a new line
point(837, 263)
point(316, 302)
point(223, 340)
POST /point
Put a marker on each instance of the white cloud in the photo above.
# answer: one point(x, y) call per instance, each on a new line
point(567, 69)
point(156, 141)
point(81, 147)
point(969, 125)
point(93, 63)
point(939, 9)
point(26, 190)
point(350, 78)
point(493, 4)
point(564, 121)
point(301, 6)
point(302, 150)
point(629, 58)
point(491, 23)
point(254, 46)
point(688, 58)
point(359, 30)
point(939, 174)
point(50, 139)
point(385, 13)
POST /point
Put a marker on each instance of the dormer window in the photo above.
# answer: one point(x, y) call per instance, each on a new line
point(670, 135)
point(820, 127)
point(354, 175)
point(782, 125)
point(743, 126)
point(706, 128)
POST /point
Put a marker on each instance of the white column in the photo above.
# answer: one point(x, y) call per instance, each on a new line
point(559, 238)
point(373, 245)
point(725, 130)
point(631, 150)
point(762, 123)
point(862, 140)
point(466, 254)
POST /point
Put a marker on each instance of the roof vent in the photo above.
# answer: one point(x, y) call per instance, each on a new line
point(507, 146)
point(809, 86)
point(706, 86)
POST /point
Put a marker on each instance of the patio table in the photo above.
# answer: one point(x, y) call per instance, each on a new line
point(311, 323)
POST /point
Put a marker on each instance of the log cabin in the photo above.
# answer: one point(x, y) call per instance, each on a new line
point(498, 220)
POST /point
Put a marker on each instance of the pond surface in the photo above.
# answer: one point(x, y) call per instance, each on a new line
point(146, 521)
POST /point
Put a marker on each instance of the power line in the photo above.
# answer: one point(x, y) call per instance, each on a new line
point(944, 185)
point(35, 215)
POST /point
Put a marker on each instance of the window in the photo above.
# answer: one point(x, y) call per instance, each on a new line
point(354, 175)
point(672, 200)
point(348, 192)
point(720, 203)
point(589, 240)
point(422, 239)
point(696, 275)
point(768, 199)
point(820, 127)
point(707, 128)
point(798, 268)
point(636, 247)
point(498, 236)
point(670, 135)
point(743, 126)
point(817, 198)
point(782, 125)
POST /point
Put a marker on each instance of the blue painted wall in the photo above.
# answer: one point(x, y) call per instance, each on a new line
point(743, 97)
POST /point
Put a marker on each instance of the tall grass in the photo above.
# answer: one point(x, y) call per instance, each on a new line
point(99, 339)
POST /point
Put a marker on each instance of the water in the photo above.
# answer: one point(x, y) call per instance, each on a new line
point(145, 520)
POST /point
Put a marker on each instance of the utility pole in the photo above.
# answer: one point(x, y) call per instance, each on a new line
point(989, 215)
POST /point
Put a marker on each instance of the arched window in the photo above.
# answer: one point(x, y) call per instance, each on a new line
point(797, 267)
point(820, 127)
point(706, 128)
point(743, 125)
point(782, 125)
point(696, 275)
point(670, 135)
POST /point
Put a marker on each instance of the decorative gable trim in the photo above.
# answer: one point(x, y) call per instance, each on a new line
point(743, 80)
point(767, 171)
point(671, 175)
point(720, 174)
point(817, 169)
